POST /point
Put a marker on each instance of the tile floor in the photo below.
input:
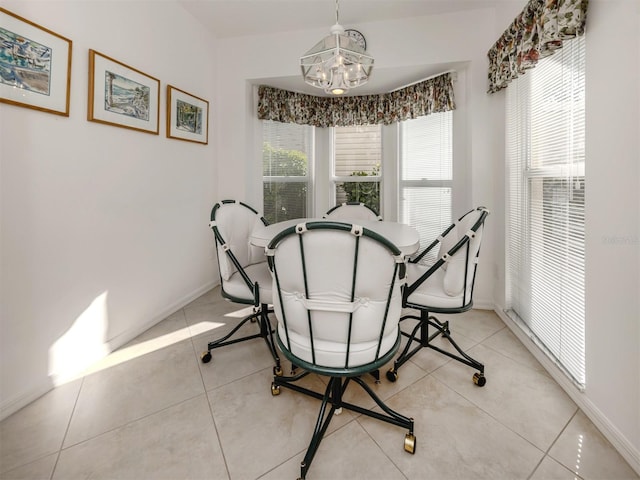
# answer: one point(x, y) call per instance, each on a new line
point(152, 410)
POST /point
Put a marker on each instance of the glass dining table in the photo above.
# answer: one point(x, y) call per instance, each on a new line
point(403, 236)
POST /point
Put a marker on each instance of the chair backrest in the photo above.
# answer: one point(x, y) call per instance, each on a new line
point(459, 251)
point(337, 294)
point(232, 223)
point(351, 211)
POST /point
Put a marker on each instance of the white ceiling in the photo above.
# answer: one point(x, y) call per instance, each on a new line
point(237, 18)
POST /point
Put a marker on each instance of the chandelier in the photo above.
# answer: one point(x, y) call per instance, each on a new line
point(337, 63)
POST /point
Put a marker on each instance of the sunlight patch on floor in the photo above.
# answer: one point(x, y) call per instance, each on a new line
point(143, 348)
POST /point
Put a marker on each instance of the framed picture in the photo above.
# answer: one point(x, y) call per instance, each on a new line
point(187, 116)
point(122, 96)
point(35, 65)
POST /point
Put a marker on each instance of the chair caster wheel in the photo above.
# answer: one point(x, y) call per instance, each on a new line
point(410, 443)
point(205, 357)
point(275, 389)
point(392, 375)
point(277, 371)
point(479, 379)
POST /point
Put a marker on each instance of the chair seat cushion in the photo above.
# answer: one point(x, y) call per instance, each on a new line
point(333, 354)
point(236, 287)
point(431, 293)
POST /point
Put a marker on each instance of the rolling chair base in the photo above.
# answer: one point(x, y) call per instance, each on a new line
point(420, 335)
point(333, 397)
point(266, 332)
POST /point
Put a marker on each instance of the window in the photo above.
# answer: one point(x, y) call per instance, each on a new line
point(357, 157)
point(545, 205)
point(426, 174)
point(286, 153)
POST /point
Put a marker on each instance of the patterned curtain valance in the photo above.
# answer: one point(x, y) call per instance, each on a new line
point(430, 96)
point(534, 34)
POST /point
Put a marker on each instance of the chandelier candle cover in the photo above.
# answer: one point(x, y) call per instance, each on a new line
point(337, 63)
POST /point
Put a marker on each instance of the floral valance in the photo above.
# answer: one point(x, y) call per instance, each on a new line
point(430, 96)
point(535, 33)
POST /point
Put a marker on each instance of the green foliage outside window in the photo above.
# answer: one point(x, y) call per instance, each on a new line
point(364, 192)
point(284, 200)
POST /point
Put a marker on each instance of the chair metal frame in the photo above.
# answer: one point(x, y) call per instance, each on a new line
point(260, 310)
point(341, 377)
point(420, 333)
point(350, 204)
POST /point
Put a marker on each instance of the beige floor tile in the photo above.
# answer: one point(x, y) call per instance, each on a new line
point(508, 345)
point(231, 362)
point(40, 469)
point(272, 428)
point(409, 374)
point(507, 396)
point(152, 409)
point(39, 428)
point(549, 469)
point(584, 450)
point(212, 296)
point(478, 325)
point(135, 388)
point(347, 454)
point(174, 327)
point(430, 360)
point(177, 443)
point(454, 438)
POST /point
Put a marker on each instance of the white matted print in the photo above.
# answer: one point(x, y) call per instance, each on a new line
point(35, 65)
point(187, 116)
point(122, 96)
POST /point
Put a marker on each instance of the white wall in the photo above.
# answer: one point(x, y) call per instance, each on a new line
point(613, 215)
point(612, 398)
point(612, 395)
point(103, 229)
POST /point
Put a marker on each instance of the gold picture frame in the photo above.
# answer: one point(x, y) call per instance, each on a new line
point(122, 96)
point(187, 116)
point(36, 68)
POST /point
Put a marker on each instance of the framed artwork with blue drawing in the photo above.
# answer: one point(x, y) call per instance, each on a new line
point(35, 65)
point(122, 96)
point(187, 116)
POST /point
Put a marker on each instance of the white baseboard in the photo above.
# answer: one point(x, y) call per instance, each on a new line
point(12, 405)
point(621, 443)
point(129, 334)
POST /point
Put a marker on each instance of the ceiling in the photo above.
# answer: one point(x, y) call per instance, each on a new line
point(236, 18)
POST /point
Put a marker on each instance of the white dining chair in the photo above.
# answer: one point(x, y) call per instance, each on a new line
point(337, 295)
point(445, 287)
point(244, 275)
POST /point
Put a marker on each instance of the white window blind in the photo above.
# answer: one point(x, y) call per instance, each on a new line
point(287, 150)
point(545, 205)
point(357, 157)
point(426, 174)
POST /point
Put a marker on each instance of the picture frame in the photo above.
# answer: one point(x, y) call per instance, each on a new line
point(122, 96)
point(35, 67)
point(187, 116)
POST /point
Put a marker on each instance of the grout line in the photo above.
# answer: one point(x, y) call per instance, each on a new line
point(66, 431)
point(206, 394)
